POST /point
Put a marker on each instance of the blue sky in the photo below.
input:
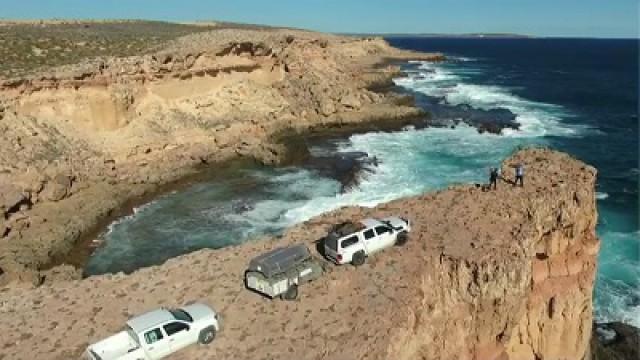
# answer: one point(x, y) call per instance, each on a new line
point(590, 18)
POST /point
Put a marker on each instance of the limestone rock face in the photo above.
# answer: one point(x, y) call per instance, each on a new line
point(504, 274)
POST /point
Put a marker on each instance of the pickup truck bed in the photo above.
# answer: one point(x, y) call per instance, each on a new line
point(119, 346)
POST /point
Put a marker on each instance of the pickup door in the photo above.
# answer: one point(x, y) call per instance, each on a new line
point(180, 335)
point(156, 344)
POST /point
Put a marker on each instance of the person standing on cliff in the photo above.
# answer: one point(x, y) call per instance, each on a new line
point(520, 175)
point(493, 178)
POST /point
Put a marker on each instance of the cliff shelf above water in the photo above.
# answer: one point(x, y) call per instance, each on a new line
point(505, 274)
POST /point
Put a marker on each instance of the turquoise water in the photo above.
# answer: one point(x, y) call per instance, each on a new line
point(557, 103)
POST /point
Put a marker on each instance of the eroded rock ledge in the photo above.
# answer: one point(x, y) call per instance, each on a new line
point(80, 141)
point(504, 274)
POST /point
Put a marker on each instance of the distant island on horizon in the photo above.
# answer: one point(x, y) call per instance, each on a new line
point(445, 35)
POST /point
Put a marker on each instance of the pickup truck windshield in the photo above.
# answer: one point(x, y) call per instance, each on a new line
point(180, 314)
point(133, 335)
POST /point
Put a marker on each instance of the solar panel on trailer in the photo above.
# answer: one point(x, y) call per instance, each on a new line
point(279, 260)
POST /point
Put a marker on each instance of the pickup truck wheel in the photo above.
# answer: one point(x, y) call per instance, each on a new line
point(358, 258)
point(402, 238)
point(207, 335)
point(291, 293)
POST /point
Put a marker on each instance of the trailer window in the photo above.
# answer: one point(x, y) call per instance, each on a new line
point(349, 241)
point(153, 336)
point(369, 234)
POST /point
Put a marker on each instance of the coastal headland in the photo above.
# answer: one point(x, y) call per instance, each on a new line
point(504, 274)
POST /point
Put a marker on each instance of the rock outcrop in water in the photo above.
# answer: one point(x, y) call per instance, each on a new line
point(615, 341)
point(79, 141)
point(504, 274)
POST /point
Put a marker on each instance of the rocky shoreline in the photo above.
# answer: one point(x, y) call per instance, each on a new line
point(84, 141)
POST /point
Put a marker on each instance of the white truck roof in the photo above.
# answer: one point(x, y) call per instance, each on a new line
point(148, 320)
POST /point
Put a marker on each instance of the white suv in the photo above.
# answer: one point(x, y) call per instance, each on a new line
point(354, 242)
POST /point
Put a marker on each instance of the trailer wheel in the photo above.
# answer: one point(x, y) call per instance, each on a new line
point(402, 238)
point(358, 258)
point(291, 293)
point(207, 335)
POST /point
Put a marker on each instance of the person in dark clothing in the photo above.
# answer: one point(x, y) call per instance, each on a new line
point(520, 175)
point(493, 178)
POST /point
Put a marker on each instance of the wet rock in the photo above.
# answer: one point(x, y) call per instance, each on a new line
point(615, 341)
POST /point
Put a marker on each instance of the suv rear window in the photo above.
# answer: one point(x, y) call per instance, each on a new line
point(349, 241)
point(331, 241)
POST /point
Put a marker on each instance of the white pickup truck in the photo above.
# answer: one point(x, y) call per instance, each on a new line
point(353, 242)
point(158, 333)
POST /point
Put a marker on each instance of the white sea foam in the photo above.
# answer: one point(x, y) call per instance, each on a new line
point(411, 162)
point(618, 282)
point(461, 58)
point(601, 195)
point(614, 302)
point(535, 118)
point(295, 189)
point(134, 212)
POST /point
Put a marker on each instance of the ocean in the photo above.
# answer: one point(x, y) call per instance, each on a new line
point(574, 95)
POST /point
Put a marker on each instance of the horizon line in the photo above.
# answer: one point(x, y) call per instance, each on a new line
point(203, 22)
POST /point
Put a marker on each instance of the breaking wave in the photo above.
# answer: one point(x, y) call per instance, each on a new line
point(535, 118)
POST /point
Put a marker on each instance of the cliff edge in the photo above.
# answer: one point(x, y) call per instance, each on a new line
point(505, 274)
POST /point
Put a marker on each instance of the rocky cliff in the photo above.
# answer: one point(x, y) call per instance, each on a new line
point(79, 141)
point(505, 274)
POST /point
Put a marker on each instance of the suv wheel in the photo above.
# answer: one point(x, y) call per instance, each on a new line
point(402, 238)
point(207, 335)
point(291, 293)
point(358, 258)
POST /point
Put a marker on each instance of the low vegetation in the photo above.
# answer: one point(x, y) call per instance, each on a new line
point(26, 46)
